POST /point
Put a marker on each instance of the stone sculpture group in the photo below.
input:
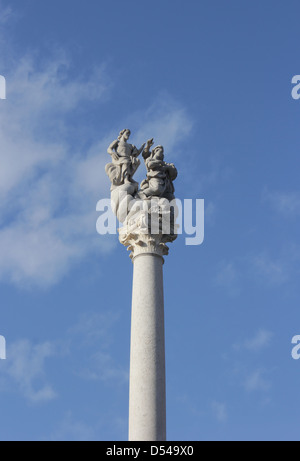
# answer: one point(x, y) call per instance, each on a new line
point(137, 207)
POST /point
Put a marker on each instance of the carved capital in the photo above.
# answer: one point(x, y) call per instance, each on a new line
point(144, 244)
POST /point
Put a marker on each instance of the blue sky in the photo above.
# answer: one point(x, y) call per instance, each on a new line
point(211, 81)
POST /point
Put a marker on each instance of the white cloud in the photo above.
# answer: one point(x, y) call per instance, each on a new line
point(165, 120)
point(210, 213)
point(256, 382)
point(285, 203)
point(220, 411)
point(70, 429)
point(273, 271)
point(43, 228)
point(49, 183)
point(168, 123)
point(87, 346)
point(260, 341)
point(24, 370)
point(101, 366)
point(93, 327)
point(93, 332)
point(5, 14)
point(227, 277)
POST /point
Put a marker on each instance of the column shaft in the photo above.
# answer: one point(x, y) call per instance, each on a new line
point(147, 399)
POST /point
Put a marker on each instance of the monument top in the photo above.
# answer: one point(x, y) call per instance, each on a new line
point(145, 211)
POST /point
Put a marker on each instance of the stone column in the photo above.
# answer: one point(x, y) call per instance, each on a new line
point(148, 217)
point(147, 398)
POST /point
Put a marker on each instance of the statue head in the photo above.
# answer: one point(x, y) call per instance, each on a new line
point(158, 152)
point(125, 132)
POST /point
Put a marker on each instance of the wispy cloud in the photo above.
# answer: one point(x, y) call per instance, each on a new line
point(220, 411)
point(227, 277)
point(166, 121)
point(285, 203)
point(24, 370)
point(256, 381)
point(85, 348)
point(257, 378)
point(70, 429)
point(261, 340)
point(52, 164)
point(5, 13)
point(261, 267)
point(271, 270)
point(41, 230)
point(50, 181)
point(93, 333)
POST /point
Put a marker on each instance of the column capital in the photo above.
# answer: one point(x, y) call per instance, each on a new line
point(140, 244)
point(136, 235)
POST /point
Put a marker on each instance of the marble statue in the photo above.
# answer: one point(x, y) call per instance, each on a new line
point(137, 208)
point(160, 175)
point(125, 160)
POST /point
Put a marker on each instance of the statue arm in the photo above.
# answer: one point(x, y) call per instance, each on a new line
point(147, 152)
point(141, 149)
point(172, 170)
point(136, 152)
point(112, 148)
point(155, 164)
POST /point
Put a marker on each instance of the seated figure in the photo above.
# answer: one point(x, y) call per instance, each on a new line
point(160, 175)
